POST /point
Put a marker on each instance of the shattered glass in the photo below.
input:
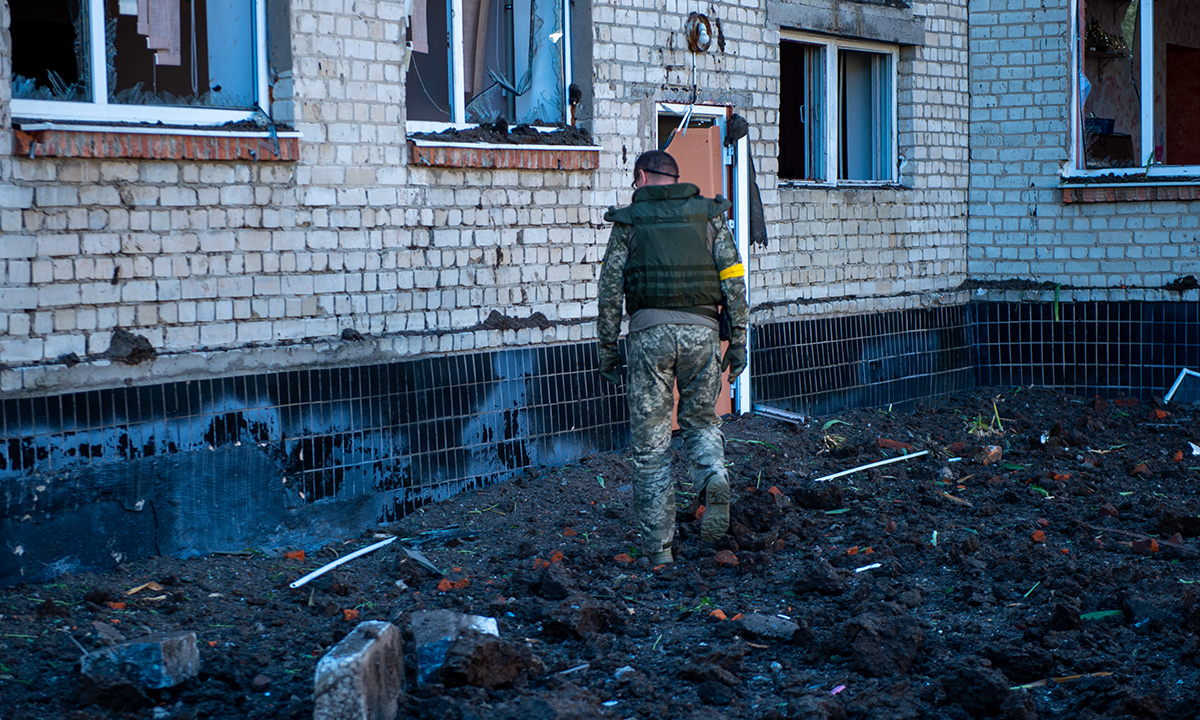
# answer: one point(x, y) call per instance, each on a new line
point(50, 50)
point(538, 95)
point(194, 54)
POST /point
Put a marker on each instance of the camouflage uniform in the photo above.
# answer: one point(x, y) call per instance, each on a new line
point(679, 351)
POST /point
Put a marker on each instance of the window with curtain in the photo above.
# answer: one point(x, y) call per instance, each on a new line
point(480, 61)
point(837, 110)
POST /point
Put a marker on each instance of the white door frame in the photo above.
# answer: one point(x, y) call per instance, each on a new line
point(740, 195)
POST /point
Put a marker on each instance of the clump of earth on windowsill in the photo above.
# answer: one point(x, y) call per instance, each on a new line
point(500, 133)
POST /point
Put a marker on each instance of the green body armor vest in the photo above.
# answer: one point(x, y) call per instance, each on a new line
point(670, 262)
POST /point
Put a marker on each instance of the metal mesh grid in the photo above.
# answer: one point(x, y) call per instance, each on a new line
point(1111, 348)
point(822, 365)
point(423, 428)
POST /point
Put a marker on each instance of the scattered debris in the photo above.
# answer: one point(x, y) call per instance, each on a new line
point(118, 675)
point(434, 631)
point(340, 561)
point(889, 461)
point(1178, 380)
point(778, 414)
point(362, 677)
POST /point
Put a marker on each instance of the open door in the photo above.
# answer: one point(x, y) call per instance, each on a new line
point(698, 148)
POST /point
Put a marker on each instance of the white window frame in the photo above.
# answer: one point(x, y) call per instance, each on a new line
point(458, 109)
point(1147, 165)
point(832, 116)
point(99, 109)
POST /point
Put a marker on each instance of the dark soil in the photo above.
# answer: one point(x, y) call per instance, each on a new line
point(1062, 560)
point(500, 133)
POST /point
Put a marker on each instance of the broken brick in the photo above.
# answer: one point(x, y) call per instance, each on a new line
point(350, 614)
point(726, 558)
point(886, 444)
point(120, 673)
point(1159, 414)
point(569, 533)
point(1145, 546)
point(1178, 457)
point(718, 614)
point(446, 584)
point(294, 555)
point(1043, 522)
point(362, 676)
point(990, 455)
point(623, 558)
point(1039, 536)
point(1141, 469)
point(557, 557)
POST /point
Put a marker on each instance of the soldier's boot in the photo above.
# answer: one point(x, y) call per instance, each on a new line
point(716, 509)
point(662, 557)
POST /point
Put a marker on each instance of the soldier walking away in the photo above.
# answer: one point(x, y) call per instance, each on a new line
point(673, 260)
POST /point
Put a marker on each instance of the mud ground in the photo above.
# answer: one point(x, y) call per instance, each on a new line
point(1039, 562)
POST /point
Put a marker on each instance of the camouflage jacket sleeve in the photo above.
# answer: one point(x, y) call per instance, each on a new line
point(612, 286)
point(733, 280)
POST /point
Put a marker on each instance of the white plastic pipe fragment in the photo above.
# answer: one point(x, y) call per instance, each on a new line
point(1182, 374)
point(889, 461)
point(340, 561)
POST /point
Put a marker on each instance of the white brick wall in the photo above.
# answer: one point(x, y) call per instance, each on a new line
point(1020, 229)
point(220, 255)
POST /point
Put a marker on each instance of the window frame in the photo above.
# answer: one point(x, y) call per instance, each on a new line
point(100, 110)
point(458, 108)
point(832, 107)
point(1150, 168)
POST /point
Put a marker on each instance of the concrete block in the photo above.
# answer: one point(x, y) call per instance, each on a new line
point(117, 675)
point(362, 677)
point(434, 631)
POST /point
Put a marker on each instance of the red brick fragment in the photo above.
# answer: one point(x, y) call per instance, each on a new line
point(726, 558)
point(990, 455)
point(1145, 546)
point(1141, 469)
point(886, 444)
point(1039, 536)
point(623, 559)
point(1125, 401)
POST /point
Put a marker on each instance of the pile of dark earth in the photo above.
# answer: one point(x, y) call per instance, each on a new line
point(1038, 562)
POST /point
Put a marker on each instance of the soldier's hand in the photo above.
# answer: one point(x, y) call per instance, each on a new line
point(610, 364)
point(734, 360)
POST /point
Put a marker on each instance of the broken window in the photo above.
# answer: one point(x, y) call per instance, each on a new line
point(138, 60)
point(1138, 85)
point(837, 110)
point(484, 60)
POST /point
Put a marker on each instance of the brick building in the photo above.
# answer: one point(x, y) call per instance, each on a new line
point(248, 298)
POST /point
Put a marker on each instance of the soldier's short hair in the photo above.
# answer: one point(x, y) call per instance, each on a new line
point(656, 161)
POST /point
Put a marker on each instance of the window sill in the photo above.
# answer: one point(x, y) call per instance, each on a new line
point(842, 185)
point(158, 143)
point(1129, 192)
point(426, 153)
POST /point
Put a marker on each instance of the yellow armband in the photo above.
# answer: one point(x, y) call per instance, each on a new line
point(733, 271)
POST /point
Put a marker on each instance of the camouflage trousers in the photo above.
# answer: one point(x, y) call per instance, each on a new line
point(661, 357)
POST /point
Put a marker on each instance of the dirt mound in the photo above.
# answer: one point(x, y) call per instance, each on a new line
point(1038, 562)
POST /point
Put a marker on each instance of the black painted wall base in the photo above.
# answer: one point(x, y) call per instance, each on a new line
point(292, 458)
